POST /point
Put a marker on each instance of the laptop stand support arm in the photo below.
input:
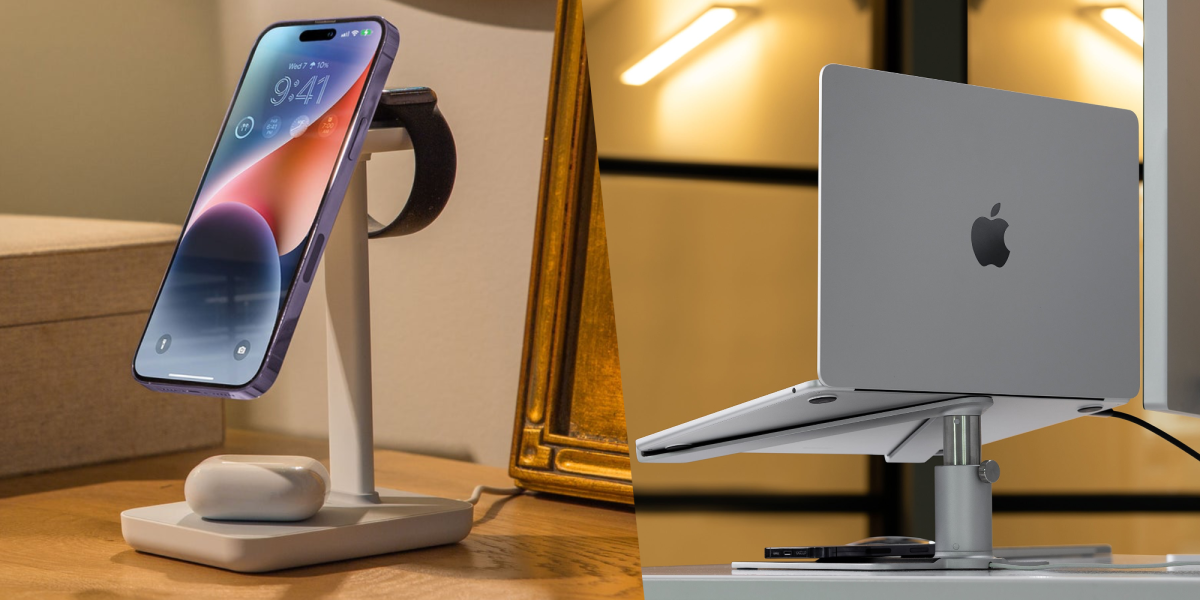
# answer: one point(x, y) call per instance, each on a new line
point(962, 502)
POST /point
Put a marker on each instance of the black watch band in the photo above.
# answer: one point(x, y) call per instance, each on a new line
point(415, 109)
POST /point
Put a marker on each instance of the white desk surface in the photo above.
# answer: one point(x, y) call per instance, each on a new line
point(701, 582)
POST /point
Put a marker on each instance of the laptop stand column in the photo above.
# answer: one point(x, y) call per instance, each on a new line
point(963, 496)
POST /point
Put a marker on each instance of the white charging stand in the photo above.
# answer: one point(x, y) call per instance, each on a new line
point(357, 520)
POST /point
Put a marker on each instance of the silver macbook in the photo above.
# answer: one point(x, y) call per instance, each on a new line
point(973, 242)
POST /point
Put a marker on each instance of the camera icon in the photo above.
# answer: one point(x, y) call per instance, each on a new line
point(241, 350)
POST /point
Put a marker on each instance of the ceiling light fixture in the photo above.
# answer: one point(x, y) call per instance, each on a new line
point(1124, 20)
point(704, 27)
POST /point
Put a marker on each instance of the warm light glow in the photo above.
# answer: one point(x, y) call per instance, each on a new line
point(1125, 21)
point(709, 23)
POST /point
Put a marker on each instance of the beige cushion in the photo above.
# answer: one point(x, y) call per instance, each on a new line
point(74, 298)
point(56, 268)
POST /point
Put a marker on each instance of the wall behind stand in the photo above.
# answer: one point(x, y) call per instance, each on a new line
point(447, 304)
point(109, 109)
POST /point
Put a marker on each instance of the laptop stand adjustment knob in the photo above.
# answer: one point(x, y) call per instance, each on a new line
point(989, 471)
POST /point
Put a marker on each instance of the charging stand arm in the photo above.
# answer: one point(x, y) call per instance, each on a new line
point(348, 333)
point(406, 119)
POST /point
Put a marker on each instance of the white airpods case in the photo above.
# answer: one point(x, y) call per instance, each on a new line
point(257, 488)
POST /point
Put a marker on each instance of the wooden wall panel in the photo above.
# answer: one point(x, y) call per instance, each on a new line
point(715, 291)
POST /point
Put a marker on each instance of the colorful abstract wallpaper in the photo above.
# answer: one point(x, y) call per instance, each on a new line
point(250, 220)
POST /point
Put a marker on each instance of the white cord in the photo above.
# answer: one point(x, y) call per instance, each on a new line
point(1178, 563)
point(480, 490)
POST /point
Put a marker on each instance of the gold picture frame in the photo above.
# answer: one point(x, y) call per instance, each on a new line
point(570, 435)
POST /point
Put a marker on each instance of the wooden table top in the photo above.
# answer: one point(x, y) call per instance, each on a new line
point(60, 535)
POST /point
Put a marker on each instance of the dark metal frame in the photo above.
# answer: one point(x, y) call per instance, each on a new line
point(709, 171)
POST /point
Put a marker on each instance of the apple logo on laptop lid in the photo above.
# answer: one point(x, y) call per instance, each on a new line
point(987, 239)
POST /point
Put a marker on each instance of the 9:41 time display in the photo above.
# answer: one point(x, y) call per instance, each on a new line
point(283, 89)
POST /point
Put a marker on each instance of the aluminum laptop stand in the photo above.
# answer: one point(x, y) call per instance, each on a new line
point(962, 499)
point(904, 427)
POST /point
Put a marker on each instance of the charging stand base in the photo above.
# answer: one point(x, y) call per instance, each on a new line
point(341, 530)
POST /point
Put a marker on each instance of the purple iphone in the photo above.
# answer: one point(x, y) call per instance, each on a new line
point(232, 294)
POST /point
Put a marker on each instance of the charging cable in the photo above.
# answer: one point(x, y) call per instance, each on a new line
point(1105, 566)
point(1151, 428)
point(480, 490)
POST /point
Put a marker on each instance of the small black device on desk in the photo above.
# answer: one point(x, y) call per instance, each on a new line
point(870, 547)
